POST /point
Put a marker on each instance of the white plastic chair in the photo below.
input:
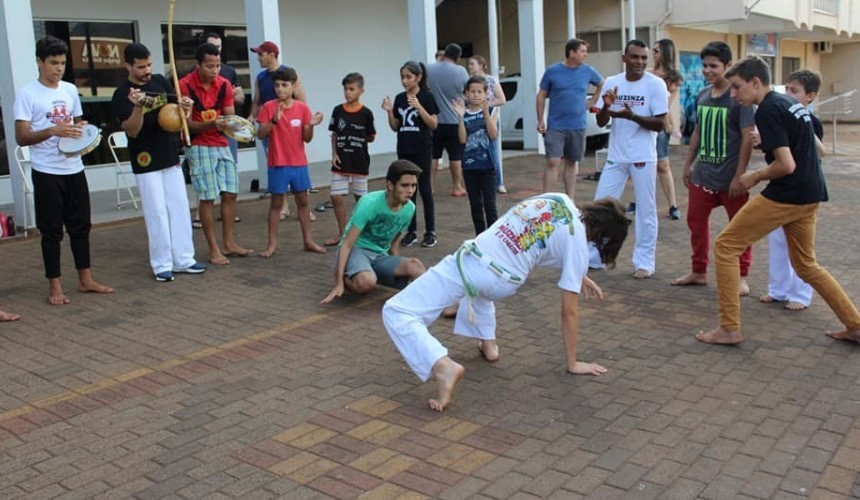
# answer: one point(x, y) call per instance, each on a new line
point(22, 158)
point(119, 140)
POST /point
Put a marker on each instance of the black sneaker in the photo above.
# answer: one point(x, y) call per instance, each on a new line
point(631, 208)
point(429, 240)
point(674, 213)
point(409, 239)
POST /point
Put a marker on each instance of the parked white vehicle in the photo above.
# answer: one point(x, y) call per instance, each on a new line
point(512, 117)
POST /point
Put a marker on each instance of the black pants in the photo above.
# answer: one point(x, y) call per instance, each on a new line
point(425, 189)
point(62, 200)
point(481, 186)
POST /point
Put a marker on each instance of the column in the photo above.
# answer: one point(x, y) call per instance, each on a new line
point(571, 20)
point(422, 30)
point(263, 23)
point(17, 58)
point(532, 65)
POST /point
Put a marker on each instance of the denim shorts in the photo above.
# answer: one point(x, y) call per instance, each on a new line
point(662, 145)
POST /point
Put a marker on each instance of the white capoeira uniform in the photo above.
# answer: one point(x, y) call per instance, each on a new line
point(783, 283)
point(633, 154)
point(542, 231)
point(167, 217)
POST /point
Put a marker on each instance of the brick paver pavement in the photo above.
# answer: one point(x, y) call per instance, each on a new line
point(237, 384)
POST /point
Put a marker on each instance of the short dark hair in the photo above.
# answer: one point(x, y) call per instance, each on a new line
point(606, 226)
point(206, 49)
point(573, 44)
point(355, 78)
point(476, 79)
point(134, 51)
point(453, 51)
point(635, 43)
point(810, 80)
point(720, 50)
point(285, 75)
point(399, 168)
point(750, 67)
point(51, 46)
point(212, 34)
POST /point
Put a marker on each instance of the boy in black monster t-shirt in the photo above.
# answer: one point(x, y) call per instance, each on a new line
point(790, 200)
point(351, 129)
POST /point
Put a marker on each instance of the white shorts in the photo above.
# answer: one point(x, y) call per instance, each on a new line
point(343, 184)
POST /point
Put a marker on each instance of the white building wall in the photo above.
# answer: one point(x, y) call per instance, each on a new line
point(372, 39)
point(843, 73)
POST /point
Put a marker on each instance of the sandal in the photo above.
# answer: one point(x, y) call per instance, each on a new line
point(196, 224)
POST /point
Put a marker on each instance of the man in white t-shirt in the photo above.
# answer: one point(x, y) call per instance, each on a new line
point(543, 231)
point(637, 102)
point(45, 111)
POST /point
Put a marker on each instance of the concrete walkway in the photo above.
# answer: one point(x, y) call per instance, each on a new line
point(237, 384)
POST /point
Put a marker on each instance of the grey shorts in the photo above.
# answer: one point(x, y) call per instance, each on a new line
point(383, 265)
point(569, 144)
point(662, 145)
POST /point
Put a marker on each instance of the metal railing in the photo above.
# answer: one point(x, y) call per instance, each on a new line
point(828, 6)
point(836, 106)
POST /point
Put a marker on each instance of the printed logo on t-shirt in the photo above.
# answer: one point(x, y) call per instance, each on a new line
point(713, 121)
point(800, 112)
point(59, 113)
point(535, 228)
point(408, 116)
point(296, 122)
point(630, 100)
point(144, 159)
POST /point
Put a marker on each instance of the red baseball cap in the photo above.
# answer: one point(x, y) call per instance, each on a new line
point(267, 46)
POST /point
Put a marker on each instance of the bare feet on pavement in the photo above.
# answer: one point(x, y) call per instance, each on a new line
point(690, 279)
point(642, 274)
point(313, 247)
point(489, 350)
point(849, 335)
point(743, 287)
point(92, 286)
point(794, 306)
point(446, 373)
point(237, 251)
point(767, 299)
point(580, 368)
point(721, 336)
point(331, 242)
point(56, 295)
point(4, 316)
point(268, 252)
point(218, 259)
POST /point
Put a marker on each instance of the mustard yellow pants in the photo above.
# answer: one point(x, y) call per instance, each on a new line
point(756, 220)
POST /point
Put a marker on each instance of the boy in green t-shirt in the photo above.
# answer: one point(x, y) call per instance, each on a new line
point(370, 246)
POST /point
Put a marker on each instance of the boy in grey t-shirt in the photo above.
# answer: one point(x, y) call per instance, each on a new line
point(719, 153)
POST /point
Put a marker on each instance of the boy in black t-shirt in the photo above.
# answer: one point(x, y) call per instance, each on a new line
point(351, 129)
point(790, 200)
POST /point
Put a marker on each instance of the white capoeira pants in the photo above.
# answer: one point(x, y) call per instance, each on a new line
point(783, 283)
point(167, 218)
point(611, 184)
point(408, 314)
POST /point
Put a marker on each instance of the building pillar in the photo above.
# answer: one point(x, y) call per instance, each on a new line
point(263, 22)
point(532, 65)
point(18, 60)
point(571, 20)
point(422, 30)
point(631, 27)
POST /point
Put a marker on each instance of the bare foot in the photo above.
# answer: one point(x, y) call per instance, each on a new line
point(4, 316)
point(489, 350)
point(56, 295)
point(849, 335)
point(283, 215)
point(690, 279)
point(450, 312)
point(219, 259)
point(743, 287)
point(721, 336)
point(457, 193)
point(767, 299)
point(642, 274)
point(446, 373)
point(237, 251)
point(313, 247)
point(268, 252)
point(795, 306)
point(92, 286)
point(332, 242)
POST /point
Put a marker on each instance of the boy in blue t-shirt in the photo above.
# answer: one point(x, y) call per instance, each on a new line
point(370, 248)
point(477, 128)
point(351, 128)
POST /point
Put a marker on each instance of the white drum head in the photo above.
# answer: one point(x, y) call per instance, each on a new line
point(77, 146)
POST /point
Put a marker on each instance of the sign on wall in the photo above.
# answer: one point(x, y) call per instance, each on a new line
point(763, 44)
